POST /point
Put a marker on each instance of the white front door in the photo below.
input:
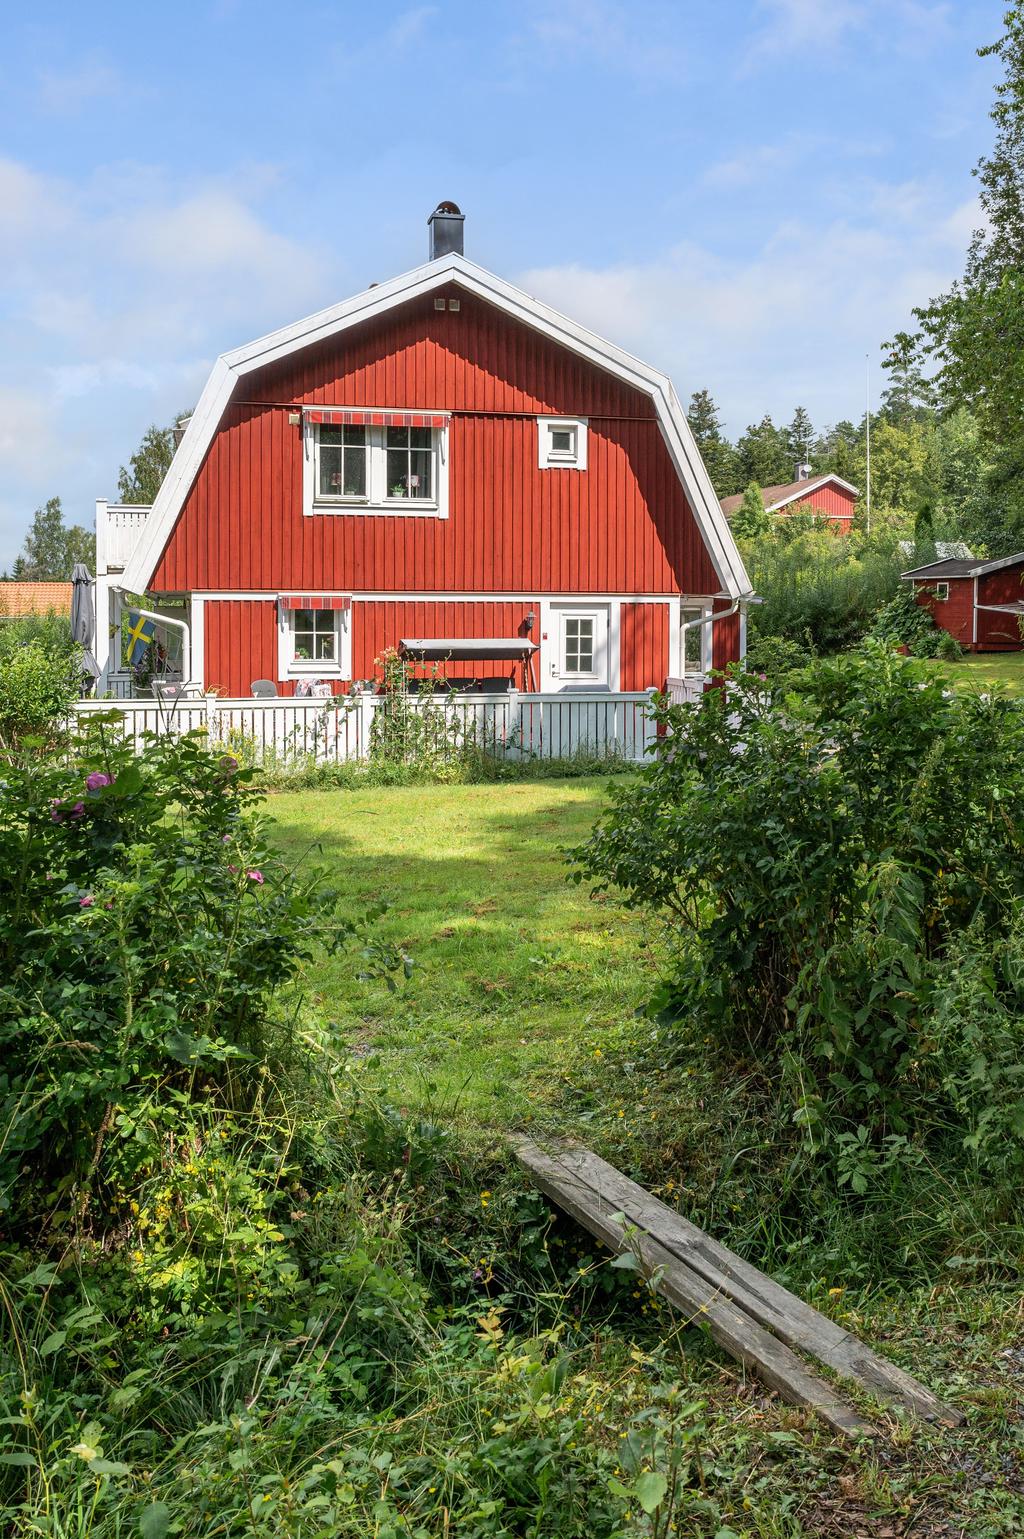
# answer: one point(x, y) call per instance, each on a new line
point(580, 655)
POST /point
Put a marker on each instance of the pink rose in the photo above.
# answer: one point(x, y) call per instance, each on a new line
point(255, 876)
point(87, 901)
point(97, 780)
point(77, 810)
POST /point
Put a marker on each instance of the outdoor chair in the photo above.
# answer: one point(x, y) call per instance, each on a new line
point(263, 689)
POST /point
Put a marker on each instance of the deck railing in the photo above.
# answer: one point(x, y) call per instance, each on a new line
point(287, 732)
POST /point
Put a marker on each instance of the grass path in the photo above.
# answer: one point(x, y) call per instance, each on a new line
point(980, 670)
point(518, 972)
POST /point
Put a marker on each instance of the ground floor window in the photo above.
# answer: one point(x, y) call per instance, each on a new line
point(695, 638)
point(314, 640)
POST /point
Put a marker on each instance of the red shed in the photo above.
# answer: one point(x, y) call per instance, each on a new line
point(978, 602)
point(828, 498)
point(442, 463)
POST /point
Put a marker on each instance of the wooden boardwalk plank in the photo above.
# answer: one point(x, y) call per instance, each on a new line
point(791, 1319)
point(730, 1325)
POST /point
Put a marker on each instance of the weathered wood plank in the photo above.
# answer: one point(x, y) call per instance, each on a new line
point(757, 1349)
point(792, 1319)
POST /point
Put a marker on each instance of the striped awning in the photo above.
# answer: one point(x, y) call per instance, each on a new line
point(335, 416)
point(315, 600)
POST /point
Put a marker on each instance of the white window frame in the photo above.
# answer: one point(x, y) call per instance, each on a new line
point(378, 499)
point(941, 592)
point(690, 608)
point(291, 667)
point(553, 459)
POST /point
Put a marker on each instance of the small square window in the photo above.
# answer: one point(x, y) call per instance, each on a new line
point(941, 592)
point(562, 443)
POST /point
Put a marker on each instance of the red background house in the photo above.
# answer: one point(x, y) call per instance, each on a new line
point(826, 497)
point(980, 603)
point(445, 458)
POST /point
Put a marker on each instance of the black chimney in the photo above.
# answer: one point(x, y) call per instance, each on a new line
point(445, 225)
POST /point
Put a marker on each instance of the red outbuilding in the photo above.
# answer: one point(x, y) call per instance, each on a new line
point(828, 498)
point(441, 465)
point(980, 603)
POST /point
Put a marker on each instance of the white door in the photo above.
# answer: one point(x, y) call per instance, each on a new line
point(580, 657)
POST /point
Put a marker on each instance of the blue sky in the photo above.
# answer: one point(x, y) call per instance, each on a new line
point(750, 194)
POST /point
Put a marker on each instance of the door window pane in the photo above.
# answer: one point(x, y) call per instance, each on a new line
point(693, 641)
point(579, 644)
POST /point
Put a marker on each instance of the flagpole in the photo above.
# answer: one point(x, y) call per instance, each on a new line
point(867, 421)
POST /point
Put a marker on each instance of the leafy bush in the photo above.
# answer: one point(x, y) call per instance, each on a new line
point(820, 590)
point(36, 687)
point(145, 929)
point(904, 622)
point(843, 875)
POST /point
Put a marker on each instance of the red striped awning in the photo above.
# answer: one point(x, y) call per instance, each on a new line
point(315, 600)
point(335, 416)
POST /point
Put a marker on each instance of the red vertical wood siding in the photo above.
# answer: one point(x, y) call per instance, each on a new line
point(1000, 632)
point(725, 638)
point(643, 646)
point(241, 645)
point(955, 614)
point(833, 502)
point(378, 624)
point(622, 525)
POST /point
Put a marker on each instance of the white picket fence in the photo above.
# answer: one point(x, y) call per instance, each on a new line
point(287, 732)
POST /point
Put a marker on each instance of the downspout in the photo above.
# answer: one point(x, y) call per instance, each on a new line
point(712, 619)
point(186, 638)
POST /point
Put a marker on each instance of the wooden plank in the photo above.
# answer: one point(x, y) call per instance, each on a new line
point(757, 1349)
point(791, 1319)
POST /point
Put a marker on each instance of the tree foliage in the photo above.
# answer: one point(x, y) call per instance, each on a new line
point(845, 900)
point(143, 476)
point(52, 548)
point(751, 519)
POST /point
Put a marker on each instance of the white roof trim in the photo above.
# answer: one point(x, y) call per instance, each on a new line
point(982, 569)
point(233, 366)
point(811, 486)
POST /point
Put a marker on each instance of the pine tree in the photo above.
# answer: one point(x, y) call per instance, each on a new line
point(716, 450)
point(799, 437)
point(763, 455)
point(909, 394)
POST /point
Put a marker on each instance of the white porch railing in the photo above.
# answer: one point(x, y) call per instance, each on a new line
point(118, 527)
point(291, 732)
point(686, 690)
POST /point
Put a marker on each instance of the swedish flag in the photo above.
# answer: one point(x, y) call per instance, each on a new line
point(139, 634)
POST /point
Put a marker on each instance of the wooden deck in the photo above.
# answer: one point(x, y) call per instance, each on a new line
point(757, 1321)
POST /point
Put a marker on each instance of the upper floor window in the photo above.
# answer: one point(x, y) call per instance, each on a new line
point(562, 443)
point(377, 468)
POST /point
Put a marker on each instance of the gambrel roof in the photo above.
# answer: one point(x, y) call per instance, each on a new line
point(231, 367)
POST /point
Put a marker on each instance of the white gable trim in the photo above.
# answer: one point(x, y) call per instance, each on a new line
point(812, 486)
point(232, 367)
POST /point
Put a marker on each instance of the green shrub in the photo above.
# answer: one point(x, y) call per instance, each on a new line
point(37, 686)
point(819, 590)
point(904, 622)
point(145, 930)
point(843, 878)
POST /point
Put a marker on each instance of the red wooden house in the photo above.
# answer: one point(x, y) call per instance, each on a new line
point(828, 498)
point(442, 465)
point(979, 602)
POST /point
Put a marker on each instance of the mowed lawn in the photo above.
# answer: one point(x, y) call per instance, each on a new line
point(983, 670)
point(518, 973)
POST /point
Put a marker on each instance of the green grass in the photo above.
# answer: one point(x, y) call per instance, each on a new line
point(982, 670)
point(523, 1009)
point(517, 972)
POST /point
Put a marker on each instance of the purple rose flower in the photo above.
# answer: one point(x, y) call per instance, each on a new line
point(228, 764)
point(77, 810)
point(87, 901)
point(56, 811)
point(97, 780)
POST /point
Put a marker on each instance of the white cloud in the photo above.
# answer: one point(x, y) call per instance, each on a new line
point(410, 25)
point(814, 27)
point(118, 295)
point(69, 90)
point(639, 38)
point(786, 322)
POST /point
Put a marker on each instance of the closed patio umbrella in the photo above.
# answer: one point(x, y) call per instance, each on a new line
point(83, 620)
